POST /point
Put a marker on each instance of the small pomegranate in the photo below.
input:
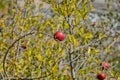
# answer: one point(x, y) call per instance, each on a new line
point(24, 46)
point(105, 65)
point(59, 36)
point(101, 76)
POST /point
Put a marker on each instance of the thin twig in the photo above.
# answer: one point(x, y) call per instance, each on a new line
point(5, 56)
point(113, 43)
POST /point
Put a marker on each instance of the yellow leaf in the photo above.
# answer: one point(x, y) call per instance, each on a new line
point(65, 11)
point(75, 42)
point(118, 78)
point(62, 53)
point(69, 37)
point(91, 7)
point(48, 52)
point(108, 50)
point(112, 73)
point(54, 69)
point(72, 39)
point(81, 31)
point(95, 51)
point(40, 35)
point(89, 51)
point(29, 53)
point(21, 27)
point(1, 69)
point(39, 57)
point(50, 62)
point(18, 67)
point(100, 35)
point(59, 49)
point(88, 36)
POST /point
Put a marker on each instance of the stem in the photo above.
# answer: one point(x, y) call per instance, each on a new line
point(71, 49)
point(71, 64)
point(4, 59)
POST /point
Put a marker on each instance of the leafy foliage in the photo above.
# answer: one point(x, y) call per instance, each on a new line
point(86, 45)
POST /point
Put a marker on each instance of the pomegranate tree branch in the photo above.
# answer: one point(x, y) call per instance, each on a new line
point(69, 22)
point(5, 56)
